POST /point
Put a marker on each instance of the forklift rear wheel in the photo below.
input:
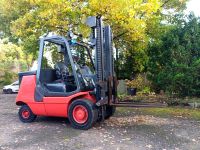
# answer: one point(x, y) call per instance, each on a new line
point(25, 114)
point(82, 114)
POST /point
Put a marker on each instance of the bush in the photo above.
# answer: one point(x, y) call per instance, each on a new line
point(174, 64)
point(141, 83)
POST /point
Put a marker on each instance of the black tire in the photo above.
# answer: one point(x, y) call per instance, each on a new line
point(4, 92)
point(26, 119)
point(110, 110)
point(9, 91)
point(92, 114)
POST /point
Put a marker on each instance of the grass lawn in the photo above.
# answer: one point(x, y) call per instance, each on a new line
point(165, 112)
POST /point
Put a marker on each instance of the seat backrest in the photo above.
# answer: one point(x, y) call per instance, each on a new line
point(47, 75)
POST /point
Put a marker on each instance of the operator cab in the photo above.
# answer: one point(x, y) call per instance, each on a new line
point(62, 68)
point(56, 73)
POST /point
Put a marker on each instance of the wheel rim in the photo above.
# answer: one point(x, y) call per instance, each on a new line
point(80, 114)
point(25, 114)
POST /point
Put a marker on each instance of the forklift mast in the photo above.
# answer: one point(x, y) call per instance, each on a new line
point(101, 38)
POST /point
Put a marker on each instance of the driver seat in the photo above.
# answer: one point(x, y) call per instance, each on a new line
point(56, 87)
point(60, 85)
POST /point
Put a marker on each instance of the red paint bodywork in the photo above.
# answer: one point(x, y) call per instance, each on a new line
point(50, 106)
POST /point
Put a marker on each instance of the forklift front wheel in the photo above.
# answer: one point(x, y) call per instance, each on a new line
point(110, 110)
point(25, 114)
point(82, 114)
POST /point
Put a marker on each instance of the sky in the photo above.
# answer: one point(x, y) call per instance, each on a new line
point(194, 5)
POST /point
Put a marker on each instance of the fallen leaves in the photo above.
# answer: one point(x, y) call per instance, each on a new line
point(138, 119)
point(149, 146)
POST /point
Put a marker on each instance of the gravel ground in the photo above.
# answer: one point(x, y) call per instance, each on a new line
point(124, 131)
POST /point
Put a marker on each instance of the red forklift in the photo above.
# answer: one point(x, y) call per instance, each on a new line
point(72, 82)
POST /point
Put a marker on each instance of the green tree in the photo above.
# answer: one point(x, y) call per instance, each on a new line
point(174, 60)
point(12, 60)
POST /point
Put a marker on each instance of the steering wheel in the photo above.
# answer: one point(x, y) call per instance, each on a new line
point(61, 71)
